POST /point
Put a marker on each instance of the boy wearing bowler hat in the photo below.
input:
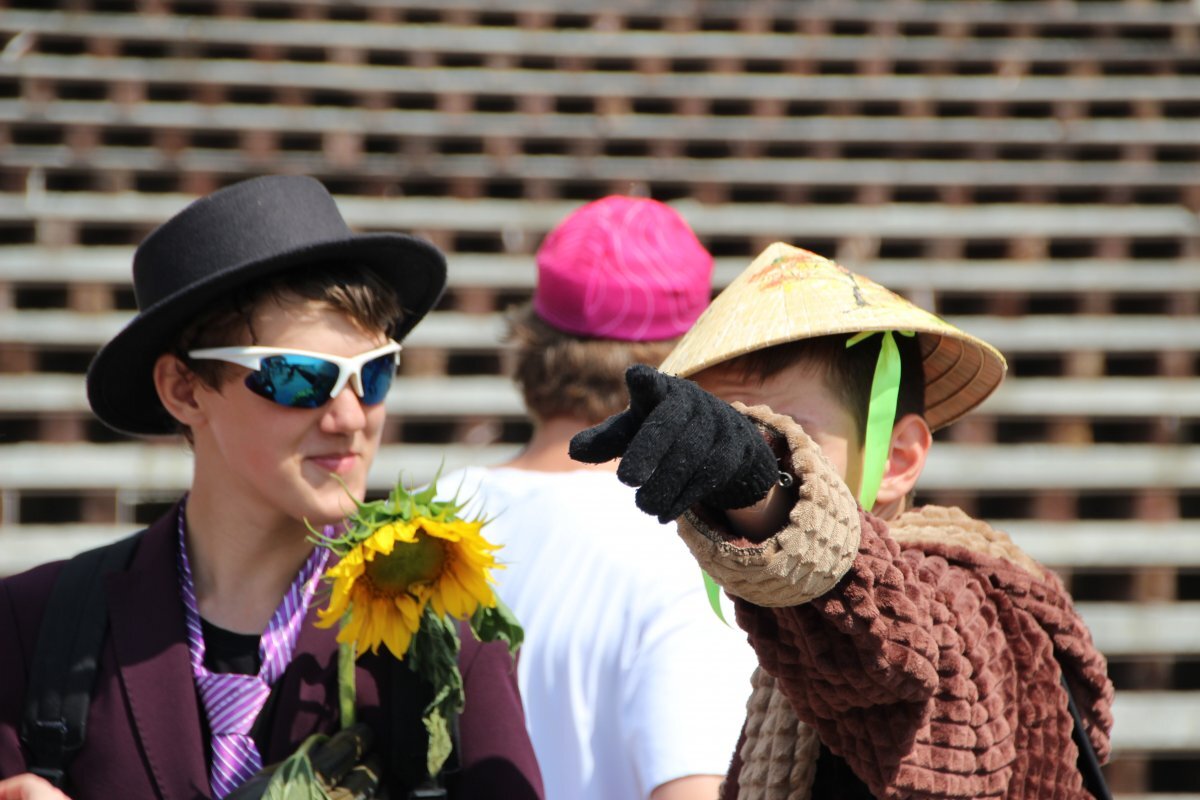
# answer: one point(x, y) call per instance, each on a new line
point(904, 652)
point(268, 333)
point(617, 703)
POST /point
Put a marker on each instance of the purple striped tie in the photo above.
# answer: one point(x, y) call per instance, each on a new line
point(232, 702)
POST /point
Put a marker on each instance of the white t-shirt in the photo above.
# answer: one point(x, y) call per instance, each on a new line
point(629, 679)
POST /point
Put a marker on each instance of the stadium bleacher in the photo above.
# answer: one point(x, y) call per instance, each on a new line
point(1031, 170)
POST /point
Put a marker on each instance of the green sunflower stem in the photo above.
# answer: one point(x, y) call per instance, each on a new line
point(347, 690)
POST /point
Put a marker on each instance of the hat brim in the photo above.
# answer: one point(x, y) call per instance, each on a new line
point(120, 379)
point(788, 294)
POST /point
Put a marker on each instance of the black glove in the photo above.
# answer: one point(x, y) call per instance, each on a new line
point(344, 766)
point(681, 445)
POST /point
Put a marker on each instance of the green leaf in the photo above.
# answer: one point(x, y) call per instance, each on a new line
point(295, 779)
point(425, 498)
point(440, 741)
point(498, 624)
point(433, 655)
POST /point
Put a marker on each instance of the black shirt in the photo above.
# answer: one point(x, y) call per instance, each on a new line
point(229, 652)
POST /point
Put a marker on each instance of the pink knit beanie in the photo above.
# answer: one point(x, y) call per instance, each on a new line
point(622, 268)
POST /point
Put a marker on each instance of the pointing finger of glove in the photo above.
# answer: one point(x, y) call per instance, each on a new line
point(610, 439)
point(647, 388)
point(605, 441)
point(669, 420)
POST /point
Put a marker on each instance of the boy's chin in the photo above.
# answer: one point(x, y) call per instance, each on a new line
point(338, 491)
point(327, 510)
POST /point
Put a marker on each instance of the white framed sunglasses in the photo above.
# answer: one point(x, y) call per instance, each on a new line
point(305, 379)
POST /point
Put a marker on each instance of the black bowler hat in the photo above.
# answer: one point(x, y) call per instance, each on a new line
point(251, 229)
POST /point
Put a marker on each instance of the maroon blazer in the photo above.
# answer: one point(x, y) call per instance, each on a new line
point(144, 733)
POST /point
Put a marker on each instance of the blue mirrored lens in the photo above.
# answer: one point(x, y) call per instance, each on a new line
point(377, 377)
point(294, 381)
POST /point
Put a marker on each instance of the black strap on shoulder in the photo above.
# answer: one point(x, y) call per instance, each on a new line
point(409, 694)
point(1089, 764)
point(64, 664)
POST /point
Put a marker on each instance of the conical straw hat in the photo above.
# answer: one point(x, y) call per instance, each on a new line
point(787, 294)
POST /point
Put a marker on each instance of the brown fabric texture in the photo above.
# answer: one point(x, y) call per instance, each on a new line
point(931, 667)
point(811, 555)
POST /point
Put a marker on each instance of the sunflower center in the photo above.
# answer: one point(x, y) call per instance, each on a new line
point(418, 562)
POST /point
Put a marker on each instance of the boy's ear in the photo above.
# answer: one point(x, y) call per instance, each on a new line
point(176, 386)
point(911, 440)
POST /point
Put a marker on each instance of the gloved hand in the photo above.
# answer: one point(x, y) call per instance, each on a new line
point(680, 445)
point(341, 767)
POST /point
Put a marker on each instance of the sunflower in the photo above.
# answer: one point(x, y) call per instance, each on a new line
point(408, 565)
point(388, 574)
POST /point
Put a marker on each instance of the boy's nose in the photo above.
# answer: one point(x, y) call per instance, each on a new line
point(344, 412)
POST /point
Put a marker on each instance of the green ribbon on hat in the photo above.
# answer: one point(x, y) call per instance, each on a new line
point(714, 596)
point(881, 413)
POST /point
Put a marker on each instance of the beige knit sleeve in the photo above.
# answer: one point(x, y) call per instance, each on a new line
point(805, 559)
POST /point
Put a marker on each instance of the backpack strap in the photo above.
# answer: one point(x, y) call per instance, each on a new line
point(1088, 762)
point(63, 670)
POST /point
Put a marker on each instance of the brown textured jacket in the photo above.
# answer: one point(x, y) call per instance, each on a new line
point(927, 654)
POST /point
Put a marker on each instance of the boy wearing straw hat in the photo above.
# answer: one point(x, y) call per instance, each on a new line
point(614, 709)
point(269, 333)
point(904, 652)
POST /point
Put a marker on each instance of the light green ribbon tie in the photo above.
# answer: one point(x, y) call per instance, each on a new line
point(714, 596)
point(881, 413)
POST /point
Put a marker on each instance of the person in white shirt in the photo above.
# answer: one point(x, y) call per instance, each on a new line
point(632, 686)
